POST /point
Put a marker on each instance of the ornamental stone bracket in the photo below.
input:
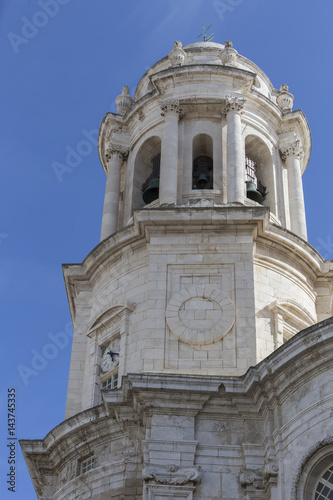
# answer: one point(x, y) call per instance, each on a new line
point(259, 479)
point(171, 106)
point(234, 103)
point(171, 475)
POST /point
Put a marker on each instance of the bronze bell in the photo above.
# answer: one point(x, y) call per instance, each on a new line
point(151, 192)
point(253, 193)
point(202, 181)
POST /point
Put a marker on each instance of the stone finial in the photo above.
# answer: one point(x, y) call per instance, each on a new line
point(228, 55)
point(177, 56)
point(285, 100)
point(124, 101)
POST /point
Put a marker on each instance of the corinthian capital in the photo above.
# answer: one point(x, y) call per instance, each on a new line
point(171, 106)
point(234, 104)
point(294, 150)
point(116, 151)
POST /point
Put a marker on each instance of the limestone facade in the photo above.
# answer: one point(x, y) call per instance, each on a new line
point(189, 378)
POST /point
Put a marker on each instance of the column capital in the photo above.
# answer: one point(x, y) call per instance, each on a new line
point(293, 150)
point(171, 106)
point(116, 151)
point(234, 104)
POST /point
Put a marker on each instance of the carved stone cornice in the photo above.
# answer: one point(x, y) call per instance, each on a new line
point(171, 475)
point(234, 104)
point(171, 106)
point(294, 150)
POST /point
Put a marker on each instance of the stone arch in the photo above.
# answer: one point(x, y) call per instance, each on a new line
point(258, 151)
point(202, 160)
point(311, 468)
point(143, 168)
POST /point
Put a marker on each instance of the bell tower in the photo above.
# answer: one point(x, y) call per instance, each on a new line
point(202, 272)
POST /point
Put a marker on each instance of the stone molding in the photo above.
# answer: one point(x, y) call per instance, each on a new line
point(177, 56)
point(208, 296)
point(259, 478)
point(295, 150)
point(235, 104)
point(171, 475)
point(311, 452)
point(171, 106)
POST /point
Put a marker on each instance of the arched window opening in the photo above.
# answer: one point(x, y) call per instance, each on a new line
point(255, 190)
point(324, 488)
point(150, 188)
point(146, 173)
point(202, 167)
point(202, 173)
point(259, 172)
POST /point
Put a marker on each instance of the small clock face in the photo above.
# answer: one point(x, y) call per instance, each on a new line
point(110, 357)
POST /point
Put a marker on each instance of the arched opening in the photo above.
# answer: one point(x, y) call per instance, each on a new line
point(146, 173)
point(202, 169)
point(260, 185)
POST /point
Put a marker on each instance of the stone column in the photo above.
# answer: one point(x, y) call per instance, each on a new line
point(235, 153)
point(169, 153)
point(292, 156)
point(115, 158)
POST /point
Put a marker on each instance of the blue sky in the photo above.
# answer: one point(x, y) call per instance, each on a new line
point(58, 80)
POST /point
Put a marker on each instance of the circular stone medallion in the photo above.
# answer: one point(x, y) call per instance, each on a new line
point(200, 314)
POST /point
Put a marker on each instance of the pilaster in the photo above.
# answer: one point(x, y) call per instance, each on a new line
point(169, 155)
point(235, 153)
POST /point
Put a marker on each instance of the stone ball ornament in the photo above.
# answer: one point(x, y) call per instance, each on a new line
point(200, 314)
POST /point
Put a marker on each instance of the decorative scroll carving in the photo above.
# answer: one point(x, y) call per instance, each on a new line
point(234, 104)
point(297, 476)
point(295, 150)
point(171, 475)
point(177, 56)
point(259, 478)
point(171, 106)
